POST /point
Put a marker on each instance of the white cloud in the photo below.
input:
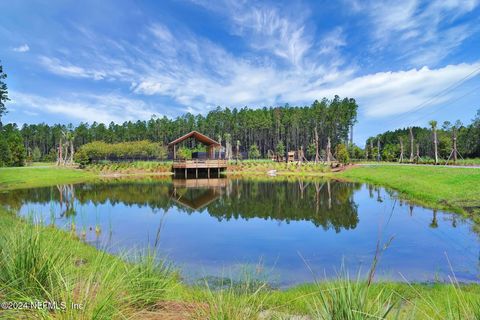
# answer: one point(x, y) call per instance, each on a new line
point(425, 32)
point(392, 93)
point(98, 67)
point(85, 107)
point(284, 64)
point(22, 48)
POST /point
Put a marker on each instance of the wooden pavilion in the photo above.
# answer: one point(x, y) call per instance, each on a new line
point(198, 165)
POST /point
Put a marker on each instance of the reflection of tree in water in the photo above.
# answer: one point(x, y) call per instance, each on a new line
point(325, 203)
point(66, 194)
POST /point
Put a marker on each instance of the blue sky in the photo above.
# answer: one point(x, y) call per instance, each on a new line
point(73, 61)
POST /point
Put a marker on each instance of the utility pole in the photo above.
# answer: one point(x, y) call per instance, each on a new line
point(411, 144)
point(418, 152)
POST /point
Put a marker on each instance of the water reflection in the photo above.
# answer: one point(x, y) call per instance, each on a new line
point(324, 203)
point(206, 225)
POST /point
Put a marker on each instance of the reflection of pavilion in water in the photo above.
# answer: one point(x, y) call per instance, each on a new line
point(197, 193)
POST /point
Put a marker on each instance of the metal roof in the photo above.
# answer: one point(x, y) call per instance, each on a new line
point(198, 136)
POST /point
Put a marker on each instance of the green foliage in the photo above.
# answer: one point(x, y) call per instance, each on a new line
point(341, 153)
point(3, 93)
point(390, 152)
point(36, 154)
point(311, 151)
point(280, 148)
point(253, 152)
point(100, 150)
point(11, 144)
point(356, 152)
point(264, 127)
point(184, 153)
point(5, 156)
point(468, 140)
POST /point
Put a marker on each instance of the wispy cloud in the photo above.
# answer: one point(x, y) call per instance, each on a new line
point(287, 61)
point(425, 32)
point(85, 107)
point(22, 48)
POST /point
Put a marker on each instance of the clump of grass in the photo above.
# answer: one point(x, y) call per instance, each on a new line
point(29, 262)
point(234, 301)
point(49, 265)
point(346, 299)
point(149, 279)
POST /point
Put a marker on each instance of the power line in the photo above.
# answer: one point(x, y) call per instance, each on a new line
point(451, 87)
point(450, 102)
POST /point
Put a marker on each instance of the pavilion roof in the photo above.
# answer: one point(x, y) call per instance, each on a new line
point(197, 136)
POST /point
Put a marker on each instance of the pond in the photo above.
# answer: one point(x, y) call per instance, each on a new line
point(289, 231)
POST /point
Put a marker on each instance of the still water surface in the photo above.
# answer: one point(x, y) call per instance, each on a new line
point(289, 231)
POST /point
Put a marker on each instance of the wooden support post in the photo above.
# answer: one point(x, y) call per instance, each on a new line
point(186, 173)
point(208, 173)
point(196, 173)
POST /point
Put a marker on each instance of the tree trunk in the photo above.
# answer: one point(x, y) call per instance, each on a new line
point(72, 152)
point(401, 151)
point(378, 150)
point(435, 144)
point(60, 152)
point(411, 144)
point(329, 152)
point(317, 156)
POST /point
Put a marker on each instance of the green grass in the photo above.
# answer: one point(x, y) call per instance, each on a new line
point(455, 189)
point(29, 177)
point(131, 168)
point(256, 167)
point(45, 263)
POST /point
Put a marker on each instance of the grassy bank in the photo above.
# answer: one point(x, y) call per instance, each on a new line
point(29, 177)
point(455, 189)
point(47, 264)
point(259, 167)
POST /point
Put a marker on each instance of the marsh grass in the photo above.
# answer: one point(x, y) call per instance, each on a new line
point(37, 264)
point(246, 299)
point(351, 299)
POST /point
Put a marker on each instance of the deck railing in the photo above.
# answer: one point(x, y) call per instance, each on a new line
point(200, 163)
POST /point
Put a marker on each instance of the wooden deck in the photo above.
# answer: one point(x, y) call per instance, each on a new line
point(200, 164)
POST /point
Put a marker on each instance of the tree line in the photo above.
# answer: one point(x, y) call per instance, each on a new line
point(313, 128)
point(428, 143)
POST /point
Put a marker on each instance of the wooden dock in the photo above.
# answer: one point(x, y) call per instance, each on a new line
point(198, 166)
